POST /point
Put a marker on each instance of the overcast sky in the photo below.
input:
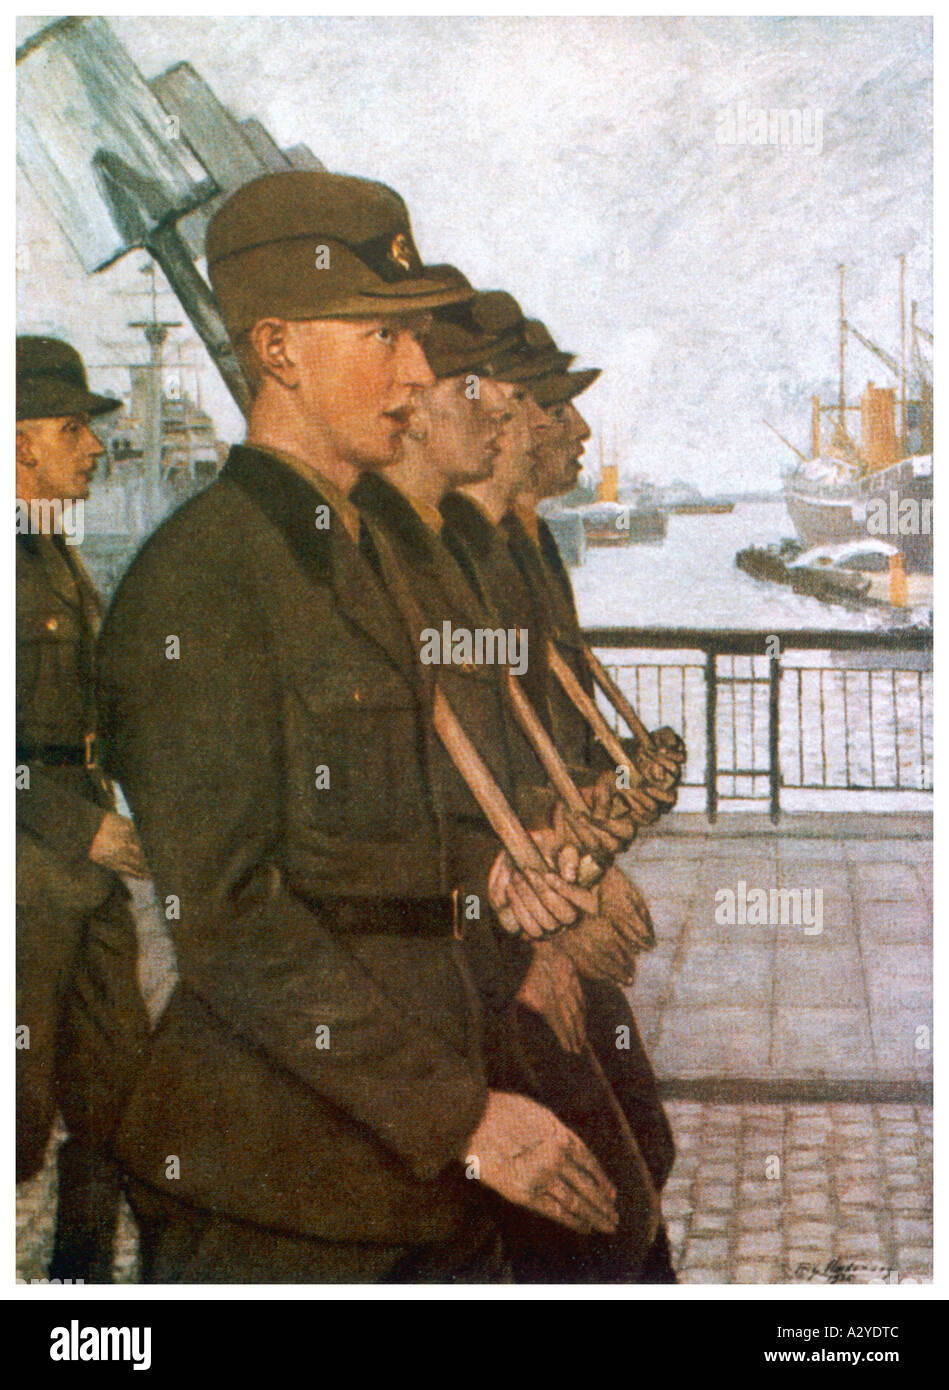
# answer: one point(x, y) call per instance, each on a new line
point(574, 162)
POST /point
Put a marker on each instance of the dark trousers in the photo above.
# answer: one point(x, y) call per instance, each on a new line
point(181, 1245)
point(101, 1034)
point(524, 1056)
point(87, 1208)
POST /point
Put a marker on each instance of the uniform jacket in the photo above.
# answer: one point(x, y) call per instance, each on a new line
point(440, 593)
point(73, 924)
point(290, 660)
point(480, 549)
point(550, 589)
point(526, 585)
point(523, 1054)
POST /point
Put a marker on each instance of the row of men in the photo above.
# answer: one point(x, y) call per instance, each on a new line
point(397, 1048)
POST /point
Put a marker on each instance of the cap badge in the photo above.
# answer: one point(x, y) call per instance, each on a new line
point(401, 252)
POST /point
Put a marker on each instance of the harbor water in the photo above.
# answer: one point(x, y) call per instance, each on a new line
point(691, 580)
point(845, 727)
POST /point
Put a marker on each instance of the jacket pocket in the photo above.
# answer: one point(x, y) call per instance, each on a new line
point(353, 752)
point(51, 706)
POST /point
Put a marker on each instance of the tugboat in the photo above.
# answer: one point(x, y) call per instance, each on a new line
point(862, 573)
point(636, 519)
point(881, 486)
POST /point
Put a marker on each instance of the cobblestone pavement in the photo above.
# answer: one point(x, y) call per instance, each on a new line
point(765, 1194)
point(760, 1194)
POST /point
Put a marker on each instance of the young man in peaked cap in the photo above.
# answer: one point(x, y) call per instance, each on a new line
point(483, 531)
point(77, 992)
point(317, 1073)
point(534, 1002)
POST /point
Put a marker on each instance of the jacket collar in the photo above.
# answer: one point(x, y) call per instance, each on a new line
point(289, 501)
point(555, 562)
point(64, 573)
point(328, 556)
point(468, 520)
point(384, 503)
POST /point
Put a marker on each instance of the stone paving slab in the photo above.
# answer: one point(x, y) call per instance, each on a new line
point(780, 1001)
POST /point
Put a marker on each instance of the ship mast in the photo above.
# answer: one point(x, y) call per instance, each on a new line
point(156, 331)
point(842, 400)
point(902, 261)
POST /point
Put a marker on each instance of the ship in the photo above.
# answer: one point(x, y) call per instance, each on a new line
point(880, 484)
point(160, 448)
point(679, 498)
point(635, 518)
point(704, 508)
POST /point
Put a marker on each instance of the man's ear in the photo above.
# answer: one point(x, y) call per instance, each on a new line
point(25, 452)
point(270, 340)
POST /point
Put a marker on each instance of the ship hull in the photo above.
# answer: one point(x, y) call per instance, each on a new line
point(894, 504)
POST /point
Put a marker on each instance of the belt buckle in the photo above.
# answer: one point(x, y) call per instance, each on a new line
point(91, 761)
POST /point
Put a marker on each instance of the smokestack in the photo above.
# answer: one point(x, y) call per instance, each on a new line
point(609, 483)
point(878, 443)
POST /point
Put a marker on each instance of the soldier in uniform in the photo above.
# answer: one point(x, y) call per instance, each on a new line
point(478, 527)
point(316, 1082)
point(533, 1001)
point(555, 470)
point(77, 993)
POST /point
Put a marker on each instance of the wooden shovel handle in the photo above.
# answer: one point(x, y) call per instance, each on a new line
point(483, 786)
point(618, 700)
point(502, 818)
point(591, 713)
point(545, 748)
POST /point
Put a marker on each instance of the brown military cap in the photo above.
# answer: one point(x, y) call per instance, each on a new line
point(51, 382)
point(468, 337)
point(533, 353)
point(306, 244)
point(555, 388)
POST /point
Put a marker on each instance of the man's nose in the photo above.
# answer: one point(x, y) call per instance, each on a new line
point(91, 443)
point(412, 364)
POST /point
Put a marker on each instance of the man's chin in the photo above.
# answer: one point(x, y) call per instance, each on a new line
point(380, 453)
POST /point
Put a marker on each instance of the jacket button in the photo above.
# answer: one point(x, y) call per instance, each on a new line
point(52, 624)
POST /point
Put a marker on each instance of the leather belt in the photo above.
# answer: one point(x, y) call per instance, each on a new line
point(83, 754)
point(425, 917)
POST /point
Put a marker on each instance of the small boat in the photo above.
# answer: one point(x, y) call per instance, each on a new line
point(622, 523)
point(835, 573)
point(769, 561)
point(700, 508)
point(821, 578)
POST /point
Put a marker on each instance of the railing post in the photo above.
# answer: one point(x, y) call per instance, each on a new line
point(774, 735)
point(711, 733)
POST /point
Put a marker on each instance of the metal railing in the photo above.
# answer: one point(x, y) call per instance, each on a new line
point(799, 710)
